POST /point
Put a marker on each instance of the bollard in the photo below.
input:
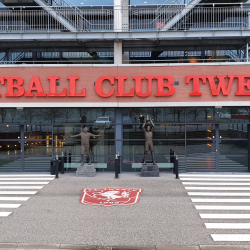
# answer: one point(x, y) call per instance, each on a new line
point(176, 167)
point(65, 157)
point(52, 167)
point(56, 166)
point(62, 164)
point(69, 157)
point(119, 161)
point(117, 164)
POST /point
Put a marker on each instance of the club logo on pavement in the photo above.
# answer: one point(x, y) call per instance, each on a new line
point(108, 197)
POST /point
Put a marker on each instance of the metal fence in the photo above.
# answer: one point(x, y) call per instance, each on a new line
point(56, 18)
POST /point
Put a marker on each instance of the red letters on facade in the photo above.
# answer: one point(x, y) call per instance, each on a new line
point(122, 86)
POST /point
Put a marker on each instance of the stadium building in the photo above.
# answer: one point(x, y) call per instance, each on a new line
point(66, 66)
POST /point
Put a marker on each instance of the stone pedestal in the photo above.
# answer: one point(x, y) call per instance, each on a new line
point(149, 170)
point(86, 170)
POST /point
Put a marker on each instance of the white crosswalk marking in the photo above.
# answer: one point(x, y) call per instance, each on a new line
point(13, 187)
point(231, 237)
point(4, 214)
point(217, 194)
point(14, 198)
point(219, 188)
point(21, 187)
point(231, 185)
point(225, 216)
point(23, 182)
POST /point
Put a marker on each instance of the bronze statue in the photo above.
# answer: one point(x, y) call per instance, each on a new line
point(149, 138)
point(85, 136)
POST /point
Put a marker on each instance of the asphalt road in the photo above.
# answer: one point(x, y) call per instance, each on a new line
point(163, 216)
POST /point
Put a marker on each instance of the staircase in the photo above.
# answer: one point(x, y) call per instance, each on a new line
point(179, 14)
point(66, 13)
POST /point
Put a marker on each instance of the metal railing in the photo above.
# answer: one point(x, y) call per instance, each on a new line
point(19, 19)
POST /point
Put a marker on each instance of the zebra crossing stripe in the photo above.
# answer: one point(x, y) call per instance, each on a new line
point(14, 198)
point(231, 237)
point(217, 183)
point(26, 179)
point(31, 175)
point(23, 182)
point(18, 192)
point(211, 207)
point(4, 214)
point(220, 200)
point(225, 216)
point(10, 205)
point(228, 226)
point(21, 187)
point(217, 175)
point(219, 188)
point(214, 179)
point(217, 194)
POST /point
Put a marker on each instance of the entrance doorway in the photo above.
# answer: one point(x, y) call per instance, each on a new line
point(217, 147)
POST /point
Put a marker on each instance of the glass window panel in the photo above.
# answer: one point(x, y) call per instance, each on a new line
point(158, 115)
point(40, 163)
point(161, 148)
point(200, 147)
point(233, 163)
point(38, 132)
point(9, 131)
point(98, 148)
point(10, 148)
point(86, 116)
point(36, 147)
point(200, 114)
point(233, 147)
point(10, 162)
point(161, 131)
point(32, 115)
point(202, 131)
point(230, 131)
point(62, 132)
point(234, 115)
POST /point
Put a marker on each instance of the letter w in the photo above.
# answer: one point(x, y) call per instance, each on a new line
point(225, 89)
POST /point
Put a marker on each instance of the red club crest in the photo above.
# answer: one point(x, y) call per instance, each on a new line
point(110, 196)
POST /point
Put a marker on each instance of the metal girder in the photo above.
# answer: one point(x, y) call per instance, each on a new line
point(160, 35)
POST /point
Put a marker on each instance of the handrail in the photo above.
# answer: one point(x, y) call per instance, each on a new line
point(140, 19)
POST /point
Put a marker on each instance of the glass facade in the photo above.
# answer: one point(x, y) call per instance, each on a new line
point(205, 139)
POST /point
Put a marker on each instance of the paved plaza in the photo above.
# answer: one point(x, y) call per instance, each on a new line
point(167, 215)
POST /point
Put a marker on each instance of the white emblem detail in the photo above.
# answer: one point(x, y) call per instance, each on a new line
point(111, 195)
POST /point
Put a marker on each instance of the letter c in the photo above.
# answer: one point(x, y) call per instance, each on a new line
point(98, 86)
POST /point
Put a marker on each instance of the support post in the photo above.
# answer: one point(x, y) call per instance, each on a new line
point(117, 165)
point(117, 52)
point(176, 167)
point(56, 166)
point(247, 48)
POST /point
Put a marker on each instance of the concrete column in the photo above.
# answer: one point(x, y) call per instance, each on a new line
point(117, 52)
point(119, 134)
point(121, 23)
point(117, 16)
point(247, 48)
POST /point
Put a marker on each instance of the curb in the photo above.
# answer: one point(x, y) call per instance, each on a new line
point(19, 246)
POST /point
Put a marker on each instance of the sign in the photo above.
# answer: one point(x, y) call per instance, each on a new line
point(108, 197)
point(164, 86)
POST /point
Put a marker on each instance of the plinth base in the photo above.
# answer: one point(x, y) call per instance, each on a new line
point(86, 170)
point(150, 170)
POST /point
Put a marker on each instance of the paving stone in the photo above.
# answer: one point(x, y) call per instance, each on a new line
point(8, 245)
point(134, 248)
point(77, 247)
point(177, 248)
point(217, 247)
point(38, 246)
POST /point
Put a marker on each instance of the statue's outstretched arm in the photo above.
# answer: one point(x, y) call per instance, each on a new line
point(75, 135)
